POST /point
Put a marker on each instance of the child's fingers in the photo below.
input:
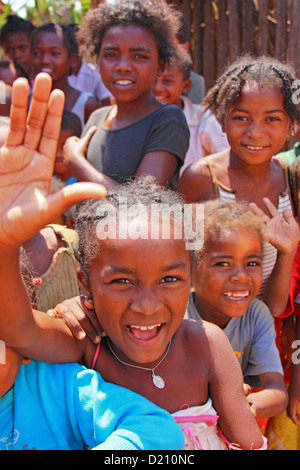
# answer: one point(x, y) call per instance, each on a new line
point(38, 110)
point(289, 217)
point(51, 129)
point(70, 195)
point(256, 210)
point(271, 208)
point(18, 113)
point(85, 140)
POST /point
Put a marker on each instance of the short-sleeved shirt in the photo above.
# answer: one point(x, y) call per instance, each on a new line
point(252, 338)
point(118, 152)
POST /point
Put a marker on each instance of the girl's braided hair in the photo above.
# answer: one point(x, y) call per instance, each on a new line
point(264, 71)
point(155, 15)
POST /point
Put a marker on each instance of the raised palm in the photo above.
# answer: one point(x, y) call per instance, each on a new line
point(26, 164)
point(282, 231)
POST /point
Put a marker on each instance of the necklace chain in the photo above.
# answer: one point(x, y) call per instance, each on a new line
point(156, 379)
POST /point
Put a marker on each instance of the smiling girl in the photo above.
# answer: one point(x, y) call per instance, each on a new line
point(253, 100)
point(226, 277)
point(138, 135)
point(54, 49)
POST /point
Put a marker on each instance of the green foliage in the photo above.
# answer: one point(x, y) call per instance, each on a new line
point(44, 11)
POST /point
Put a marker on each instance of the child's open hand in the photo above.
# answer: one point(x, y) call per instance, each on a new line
point(27, 161)
point(282, 231)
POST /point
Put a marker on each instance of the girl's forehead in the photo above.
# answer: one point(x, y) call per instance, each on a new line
point(129, 33)
point(253, 89)
point(46, 36)
point(142, 253)
point(231, 235)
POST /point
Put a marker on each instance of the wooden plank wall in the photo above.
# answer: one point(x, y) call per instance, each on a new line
point(224, 29)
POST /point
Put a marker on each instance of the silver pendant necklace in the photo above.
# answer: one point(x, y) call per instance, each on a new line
point(156, 379)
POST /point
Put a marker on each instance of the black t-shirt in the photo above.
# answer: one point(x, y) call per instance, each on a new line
point(118, 153)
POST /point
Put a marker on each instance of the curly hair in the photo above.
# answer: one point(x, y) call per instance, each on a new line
point(156, 15)
point(264, 71)
point(221, 218)
point(181, 60)
point(128, 198)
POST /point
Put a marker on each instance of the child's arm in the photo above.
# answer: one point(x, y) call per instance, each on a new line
point(79, 167)
point(294, 388)
point(284, 234)
point(236, 419)
point(161, 165)
point(272, 399)
point(26, 165)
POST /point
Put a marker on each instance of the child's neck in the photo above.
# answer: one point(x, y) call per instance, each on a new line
point(210, 315)
point(126, 113)
point(259, 172)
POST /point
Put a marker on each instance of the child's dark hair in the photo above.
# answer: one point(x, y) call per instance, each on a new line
point(184, 32)
point(182, 60)
point(140, 191)
point(223, 217)
point(14, 25)
point(294, 180)
point(67, 33)
point(264, 71)
point(71, 121)
point(155, 15)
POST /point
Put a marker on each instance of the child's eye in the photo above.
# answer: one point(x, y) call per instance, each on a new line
point(109, 55)
point(240, 118)
point(254, 264)
point(168, 82)
point(273, 119)
point(169, 279)
point(121, 281)
point(223, 264)
point(140, 56)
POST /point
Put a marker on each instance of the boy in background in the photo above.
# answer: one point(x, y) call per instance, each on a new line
point(206, 135)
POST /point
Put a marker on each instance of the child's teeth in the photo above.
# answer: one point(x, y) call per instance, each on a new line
point(237, 295)
point(254, 148)
point(143, 328)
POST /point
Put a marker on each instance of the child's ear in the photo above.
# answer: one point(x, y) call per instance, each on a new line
point(292, 130)
point(187, 85)
point(83, 279)
point(73, 62)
